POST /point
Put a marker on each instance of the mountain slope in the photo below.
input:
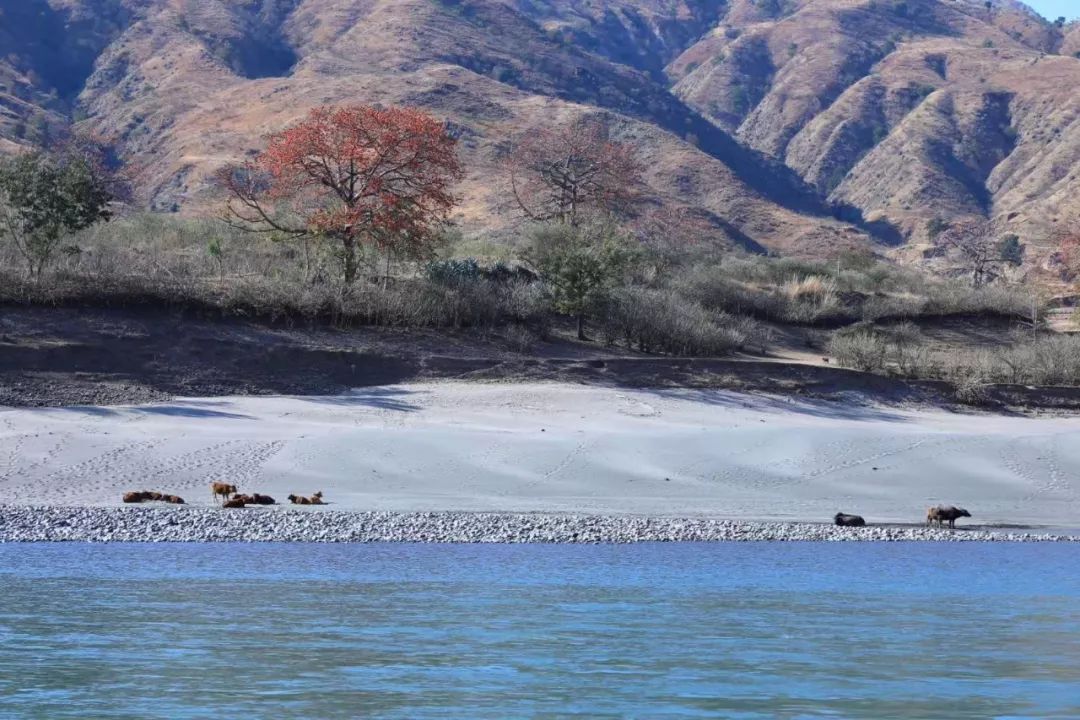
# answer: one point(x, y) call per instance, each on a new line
point(771, 117)
point(907, 110)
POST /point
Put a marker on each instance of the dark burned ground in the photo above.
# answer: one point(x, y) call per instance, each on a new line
point(57, 357)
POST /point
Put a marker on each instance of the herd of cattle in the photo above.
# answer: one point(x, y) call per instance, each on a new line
point(939, 514)
point(227, 494)
point(230, 497)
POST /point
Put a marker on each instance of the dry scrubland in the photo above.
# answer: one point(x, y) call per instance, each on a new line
point(908, 113)
point(859, 313)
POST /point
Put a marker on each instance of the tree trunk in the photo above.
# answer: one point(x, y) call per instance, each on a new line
point(581, 326)
point(386, 275)
point(350, 258)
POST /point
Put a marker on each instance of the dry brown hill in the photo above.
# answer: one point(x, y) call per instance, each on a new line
point(906, 109)
point(774, 117)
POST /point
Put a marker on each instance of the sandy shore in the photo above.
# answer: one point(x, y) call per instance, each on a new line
point(555, 448)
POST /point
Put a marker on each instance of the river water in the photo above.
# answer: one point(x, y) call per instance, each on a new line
point(768, 630)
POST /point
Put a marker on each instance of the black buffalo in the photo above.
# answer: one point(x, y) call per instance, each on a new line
point(845, 520)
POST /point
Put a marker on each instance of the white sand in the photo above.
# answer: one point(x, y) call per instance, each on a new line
point(550, 447)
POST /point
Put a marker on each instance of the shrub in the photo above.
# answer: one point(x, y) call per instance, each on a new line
point(454, 271)
point(862, 349)
point(1045, 361)
point(520, 338)
point(809, 299)
point(663, 321)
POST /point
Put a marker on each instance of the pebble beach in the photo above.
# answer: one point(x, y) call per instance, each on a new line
point(191, 524)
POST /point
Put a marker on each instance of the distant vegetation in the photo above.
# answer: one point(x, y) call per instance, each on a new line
point(343, 221)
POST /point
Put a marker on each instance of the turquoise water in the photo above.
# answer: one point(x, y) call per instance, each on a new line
point(476, 632)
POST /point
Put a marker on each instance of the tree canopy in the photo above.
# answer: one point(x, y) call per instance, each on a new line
point(355, 174)
point(45, 196)
point(580, 264)
point(557, 175)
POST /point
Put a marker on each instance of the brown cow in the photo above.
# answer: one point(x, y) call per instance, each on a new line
point(258, 499)
point(222, 490)
point(299, 500)
point(173, 499)
point(933, 515)
point(236, 502)
point(134, 497)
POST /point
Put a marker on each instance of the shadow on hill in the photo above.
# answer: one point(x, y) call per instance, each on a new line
point(830, 410)
point(385, 398)
point(772, 179)
point(184, 410)
point(60, 49)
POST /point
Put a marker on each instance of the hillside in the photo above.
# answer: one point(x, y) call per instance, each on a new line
point(907, 111)
point(772, 117)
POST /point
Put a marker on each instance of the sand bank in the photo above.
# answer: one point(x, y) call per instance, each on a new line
point(555, 448)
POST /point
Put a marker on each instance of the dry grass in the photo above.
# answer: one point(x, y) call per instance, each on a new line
point(901, 350)
point(699, 309)
point(663, 321)
point(818, 294)
point(164, 261)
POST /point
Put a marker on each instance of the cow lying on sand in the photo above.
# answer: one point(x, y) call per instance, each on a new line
point(942, 514)
point(239, 501)
point(845, 520)
point(141, 496)
point(315, 499)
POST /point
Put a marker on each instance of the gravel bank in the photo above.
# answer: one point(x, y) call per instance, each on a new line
point(86, 524)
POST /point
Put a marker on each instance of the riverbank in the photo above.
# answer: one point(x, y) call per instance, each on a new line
point(555, 448)
point(141, 525)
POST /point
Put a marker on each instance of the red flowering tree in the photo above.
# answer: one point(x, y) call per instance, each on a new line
point(354, 175)
point(557, 175)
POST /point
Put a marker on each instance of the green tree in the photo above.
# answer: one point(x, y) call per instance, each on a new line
point(580, 265)
point(46, 196)
point(1012, 250)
